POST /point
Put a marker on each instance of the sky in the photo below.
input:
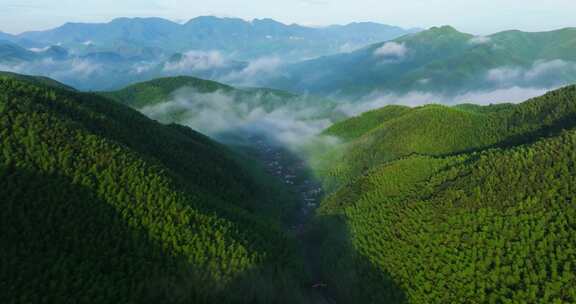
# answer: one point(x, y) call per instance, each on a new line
point(473, 16)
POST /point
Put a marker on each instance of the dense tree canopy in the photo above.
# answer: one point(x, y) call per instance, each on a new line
point(467, 204)
point(103, 205)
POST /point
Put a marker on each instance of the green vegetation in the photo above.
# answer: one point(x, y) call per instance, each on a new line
point(357, 126)
point(160, 90)
point(387, 134)
point(103, 205)
point(441, 60)
point(464, 204)
point(163, 90)
point(431, 204)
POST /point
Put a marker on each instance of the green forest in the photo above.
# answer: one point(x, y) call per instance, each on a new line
point(427, 204)
point(103, 205)
point(462, 204)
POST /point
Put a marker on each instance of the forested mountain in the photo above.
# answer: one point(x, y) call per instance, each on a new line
point(105, 205)
point(221, 110)
point(122, 187)
point(351, 61)
point(11, 52)
point(161, 90)
point(245, 39)
point(109, 56)
point(441, 60)
point(456, 204)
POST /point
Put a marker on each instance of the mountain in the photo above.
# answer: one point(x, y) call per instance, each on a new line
point(244, 40)
point(161, 90)
point(395, 131)
point(440, 60)
point(6, 36)
point(42, 81)
point(453, 204)
point(13, 53)
point(105, 205)
point(234, 115)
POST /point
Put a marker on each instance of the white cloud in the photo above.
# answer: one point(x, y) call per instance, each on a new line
point(65, 71)
point(380, 99)
point(504, 74)
point(480, 40)
point(392, 50)
point(545, 68)
point(142, 67)
point(39, 50)
point(349, 47)
point(218, 112)
point(255, 71)
point(539, 72)
point(197, 61)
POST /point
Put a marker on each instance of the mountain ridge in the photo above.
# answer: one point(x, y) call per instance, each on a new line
point(424, 61)
point(179, 37)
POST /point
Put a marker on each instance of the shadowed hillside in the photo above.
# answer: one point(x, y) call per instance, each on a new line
point(456, 205)
point(106, 205)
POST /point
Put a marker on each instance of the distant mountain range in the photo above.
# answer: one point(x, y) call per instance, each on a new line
point(354, 61)
point(241, 39)
point(441, 60)
point(105, 56)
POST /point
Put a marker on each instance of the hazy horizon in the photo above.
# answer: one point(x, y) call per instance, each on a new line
point(26, 15)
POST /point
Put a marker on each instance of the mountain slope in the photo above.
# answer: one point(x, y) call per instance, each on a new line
point(93, 187)
point(394, 132)
point(13, 53)
point(438, 223)
point(441, 60)
point(6, 36)
point(219, 110)
point(246, 39)
point(159, 90)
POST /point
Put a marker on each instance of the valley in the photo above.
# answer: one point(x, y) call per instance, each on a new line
point(231, 161)
point(374, 208)
point(294, 172)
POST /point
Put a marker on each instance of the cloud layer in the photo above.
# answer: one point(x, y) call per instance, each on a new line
point(380, 99)
point(391, 51)
point(222, 112)
point(540, 72)
point(197, 61)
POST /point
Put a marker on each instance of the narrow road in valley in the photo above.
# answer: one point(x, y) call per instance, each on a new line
point(296, 175)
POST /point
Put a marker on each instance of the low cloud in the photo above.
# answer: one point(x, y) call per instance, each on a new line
point(62, 70)
point(255, 72)
point(540, 72)
point(391, 51)
point(480, 40)
point(197, 61)
point(380, 99)
point(39, 50)
point(222, 112)
point(349, 47)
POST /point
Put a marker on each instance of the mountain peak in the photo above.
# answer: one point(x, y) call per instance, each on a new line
point(213, 20)
point(127, 20)
point(444, 29)
point(267, 21)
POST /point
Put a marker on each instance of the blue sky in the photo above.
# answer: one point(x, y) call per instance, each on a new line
point(474, 16)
